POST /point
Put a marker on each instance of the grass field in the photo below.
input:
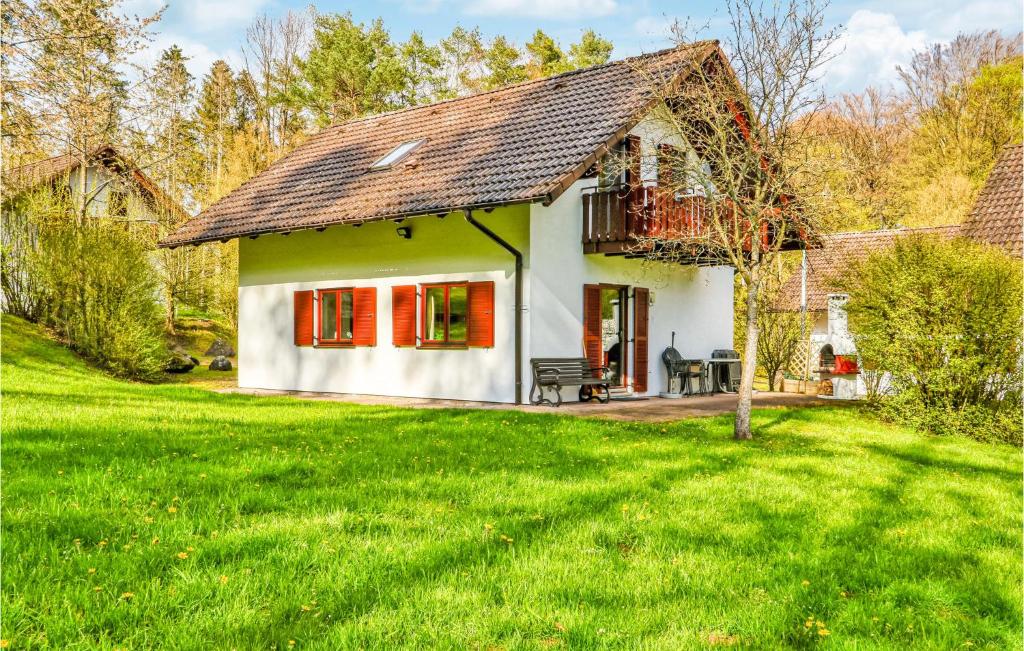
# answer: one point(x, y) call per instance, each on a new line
point(140, 516)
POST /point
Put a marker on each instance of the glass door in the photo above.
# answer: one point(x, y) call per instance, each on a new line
point(613, 332)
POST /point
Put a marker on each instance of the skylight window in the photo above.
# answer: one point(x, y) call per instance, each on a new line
point(397, 154)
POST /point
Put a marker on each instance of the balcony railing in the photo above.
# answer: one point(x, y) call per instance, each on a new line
point(618, 217)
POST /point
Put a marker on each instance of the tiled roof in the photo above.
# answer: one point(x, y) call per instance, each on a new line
point(998, 215)
point(527, 142)
point(33, 174)
point(48, 170)
point(835, 257)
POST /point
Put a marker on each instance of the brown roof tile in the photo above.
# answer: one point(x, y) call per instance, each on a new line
point(517, 144)
point(998, 214)
point(835, 257)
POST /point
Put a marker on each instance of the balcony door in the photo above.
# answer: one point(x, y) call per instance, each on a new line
point(606, 330)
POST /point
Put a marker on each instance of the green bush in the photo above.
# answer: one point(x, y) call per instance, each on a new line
point(101, 297)
point(943, 319)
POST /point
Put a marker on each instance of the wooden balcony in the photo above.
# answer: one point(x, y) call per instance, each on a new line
point(616, 220)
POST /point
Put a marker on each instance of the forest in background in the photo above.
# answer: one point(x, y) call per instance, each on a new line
point(913, 155)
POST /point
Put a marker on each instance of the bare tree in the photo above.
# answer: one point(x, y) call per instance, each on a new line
point(744, 188)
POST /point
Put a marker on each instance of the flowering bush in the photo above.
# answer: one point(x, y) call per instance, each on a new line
point(943, 319)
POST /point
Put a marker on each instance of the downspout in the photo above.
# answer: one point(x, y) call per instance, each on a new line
point(519, 298)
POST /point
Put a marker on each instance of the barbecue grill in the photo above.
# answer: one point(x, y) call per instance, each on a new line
point(726, 370)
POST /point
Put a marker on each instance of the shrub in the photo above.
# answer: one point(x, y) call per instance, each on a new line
point(101, 297)
point(943, 319)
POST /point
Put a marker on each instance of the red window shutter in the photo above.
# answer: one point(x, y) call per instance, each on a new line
point(304, 318)
point(592, 325)
point(364, 316)
point(403, 315)
point(641, 307)
point(480, 321)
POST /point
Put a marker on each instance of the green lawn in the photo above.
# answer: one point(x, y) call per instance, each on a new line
point(140, 516)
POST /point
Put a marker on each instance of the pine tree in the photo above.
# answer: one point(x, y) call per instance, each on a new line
point(592, 50)
point(546, 57)
point(351, 70)
point(216, 118)
point(464, 54)
point(425, 81)
point(504, 64)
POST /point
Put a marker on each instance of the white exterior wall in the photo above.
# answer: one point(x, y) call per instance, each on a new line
point(272, 267)
point(694, 302)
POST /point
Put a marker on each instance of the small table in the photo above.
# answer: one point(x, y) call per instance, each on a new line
point(713, 365)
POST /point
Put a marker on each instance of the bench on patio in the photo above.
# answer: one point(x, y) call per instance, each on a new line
point(557, 372)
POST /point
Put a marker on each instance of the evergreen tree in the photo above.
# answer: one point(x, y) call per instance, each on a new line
point(425, 80)
point(592, 50)
point(546, 57)
point(464, 54)
point(216, 118)
point(352, 69)
point(504, 64)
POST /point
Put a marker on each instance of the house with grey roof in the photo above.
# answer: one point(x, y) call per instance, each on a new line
point(435, 251)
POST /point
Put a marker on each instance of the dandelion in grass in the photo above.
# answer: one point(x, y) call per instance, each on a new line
point(92, 570)
point(805, 583)
point(172, 509)
point(182, 555)
point(223, 579)
point(127, 596)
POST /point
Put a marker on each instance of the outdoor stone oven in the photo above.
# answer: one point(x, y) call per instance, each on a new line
point(837, 358)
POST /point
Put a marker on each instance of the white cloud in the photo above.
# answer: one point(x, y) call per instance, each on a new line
point(870, 48)
point(555, 9)
point(657, 27)
point(215, 15)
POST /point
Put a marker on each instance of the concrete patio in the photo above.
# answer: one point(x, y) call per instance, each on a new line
point(649, 410)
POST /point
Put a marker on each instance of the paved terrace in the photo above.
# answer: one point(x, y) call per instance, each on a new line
point(652, 410)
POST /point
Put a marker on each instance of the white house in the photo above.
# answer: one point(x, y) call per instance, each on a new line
point(434, 251)
point(114, 187)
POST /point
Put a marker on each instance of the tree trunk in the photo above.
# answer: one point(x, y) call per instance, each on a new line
point(741, 430)
point(169, 313)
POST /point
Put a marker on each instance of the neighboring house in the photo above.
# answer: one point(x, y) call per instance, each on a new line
point(997, 219)
point(812, 289)
point(433, 251)
point(998, 215)
point(115, 188)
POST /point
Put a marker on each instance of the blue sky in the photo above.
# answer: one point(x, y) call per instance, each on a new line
point(878, 34)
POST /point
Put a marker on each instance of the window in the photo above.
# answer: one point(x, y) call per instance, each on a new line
point(397, 154)
point(336, 316)
point(445, 313)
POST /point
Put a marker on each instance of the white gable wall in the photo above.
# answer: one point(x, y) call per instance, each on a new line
point(694, 302)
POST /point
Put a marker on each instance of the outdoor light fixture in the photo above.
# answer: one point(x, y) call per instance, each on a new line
point(404, 232)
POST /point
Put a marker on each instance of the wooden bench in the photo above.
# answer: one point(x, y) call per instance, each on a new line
point(557, 372)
